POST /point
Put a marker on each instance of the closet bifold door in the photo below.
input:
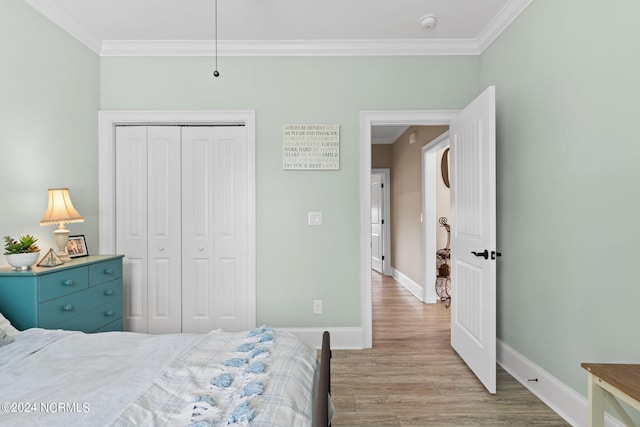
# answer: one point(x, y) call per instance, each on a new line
point(148, 226)
point(214, 228)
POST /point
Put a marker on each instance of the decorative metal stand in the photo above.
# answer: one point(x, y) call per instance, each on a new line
point(443, 259)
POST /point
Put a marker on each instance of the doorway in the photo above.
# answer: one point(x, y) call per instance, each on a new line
point(435, 205)
point(380, 220)
point(473, 216)
point(368, 120)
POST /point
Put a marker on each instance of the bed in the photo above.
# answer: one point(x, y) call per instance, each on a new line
point(261, 377)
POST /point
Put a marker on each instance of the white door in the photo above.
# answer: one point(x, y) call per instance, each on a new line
point(164, 229)
point(148, 226)
point(377, 229)
point(473, 237)
point(182, 222)
point(215, 227)
point(131, 217)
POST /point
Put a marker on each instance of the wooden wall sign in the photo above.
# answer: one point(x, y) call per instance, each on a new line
point(311, 147)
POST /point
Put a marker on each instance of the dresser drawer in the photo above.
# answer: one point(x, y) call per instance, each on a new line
point(53, 313)
point(95, 319)
point(116, 325)
point(62, 283)
point(105, 272)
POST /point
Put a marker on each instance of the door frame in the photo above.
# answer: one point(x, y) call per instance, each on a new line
point(367, 120)
point(107, 122)
point(429, 227)
point(386, 215)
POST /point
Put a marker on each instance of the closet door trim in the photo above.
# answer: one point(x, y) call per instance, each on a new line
point(107, 122)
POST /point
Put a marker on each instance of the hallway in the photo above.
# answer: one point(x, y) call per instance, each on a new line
point(412, 376)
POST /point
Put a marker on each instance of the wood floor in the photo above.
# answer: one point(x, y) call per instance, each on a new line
point(412, 376)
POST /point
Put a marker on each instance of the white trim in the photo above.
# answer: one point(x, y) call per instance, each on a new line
point(501, 22)
point(343, 338)
point(415, 288)
point(429, 227)
point(565, 401)
point(107, 122)
point(368, 119)
point(344, 47)
point(61, 18)
point(289, 47)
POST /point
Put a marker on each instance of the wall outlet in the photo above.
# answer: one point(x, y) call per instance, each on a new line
point(317, 306)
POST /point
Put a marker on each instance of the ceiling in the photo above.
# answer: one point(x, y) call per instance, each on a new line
point(282, 27)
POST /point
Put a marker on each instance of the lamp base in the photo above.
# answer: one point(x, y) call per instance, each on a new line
point(61, 236)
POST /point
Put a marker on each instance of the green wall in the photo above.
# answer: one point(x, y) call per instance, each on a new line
point(49, 98)
point(567, 81)
point(298, 263)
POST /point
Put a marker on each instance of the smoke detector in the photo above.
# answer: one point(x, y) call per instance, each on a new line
point(428, 21)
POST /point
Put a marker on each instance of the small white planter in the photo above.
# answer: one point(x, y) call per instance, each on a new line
point(22, 261)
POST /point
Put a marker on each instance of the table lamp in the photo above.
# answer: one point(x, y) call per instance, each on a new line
point(61, 211)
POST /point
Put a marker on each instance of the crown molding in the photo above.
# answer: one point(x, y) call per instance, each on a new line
point(501, 22)
point(62, 19)
point(288, 47)
point(406, 47)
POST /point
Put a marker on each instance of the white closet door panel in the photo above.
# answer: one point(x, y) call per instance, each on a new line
point(214, 245)
point(131, 222)
point(197, 231)
point(230, 228)
point(164, 228)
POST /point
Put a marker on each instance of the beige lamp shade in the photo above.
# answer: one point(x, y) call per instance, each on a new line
point(60, 209)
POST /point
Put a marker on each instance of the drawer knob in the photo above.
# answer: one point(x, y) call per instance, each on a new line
point(108, 292)
point(68, 282)
point(67, 307)
point(108, 271)
point(109, 313)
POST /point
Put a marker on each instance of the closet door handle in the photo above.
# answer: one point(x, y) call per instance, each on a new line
point(67, 308)
point(68, 282)
point(484, 254)
point(108, 271)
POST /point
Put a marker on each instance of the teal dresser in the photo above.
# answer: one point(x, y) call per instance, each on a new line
point(84, 294)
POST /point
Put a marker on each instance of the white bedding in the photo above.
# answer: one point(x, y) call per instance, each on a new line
point(62, 378)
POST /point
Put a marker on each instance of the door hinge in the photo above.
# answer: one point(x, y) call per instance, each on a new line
point(382, 185)
point(383, 221)
point(382, 257)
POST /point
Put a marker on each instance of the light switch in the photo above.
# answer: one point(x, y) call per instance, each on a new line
point(315, 218)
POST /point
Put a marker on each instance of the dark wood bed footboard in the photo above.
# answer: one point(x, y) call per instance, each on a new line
point(321, 417)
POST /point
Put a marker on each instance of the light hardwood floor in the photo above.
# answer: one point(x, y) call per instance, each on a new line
point(412, 376)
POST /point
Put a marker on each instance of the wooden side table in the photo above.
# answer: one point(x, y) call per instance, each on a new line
point(610, 381)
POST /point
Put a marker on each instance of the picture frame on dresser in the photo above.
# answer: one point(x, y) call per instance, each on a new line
point(77, 246)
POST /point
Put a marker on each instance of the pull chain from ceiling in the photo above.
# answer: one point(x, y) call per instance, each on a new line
point(215, 72)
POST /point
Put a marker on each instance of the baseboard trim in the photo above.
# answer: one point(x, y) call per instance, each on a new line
point(344, 338)
point(416, 289)
point(565, 401)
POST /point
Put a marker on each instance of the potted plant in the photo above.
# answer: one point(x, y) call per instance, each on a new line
point(21, 254)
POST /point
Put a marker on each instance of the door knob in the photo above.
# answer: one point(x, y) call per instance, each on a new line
point(484, 254)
